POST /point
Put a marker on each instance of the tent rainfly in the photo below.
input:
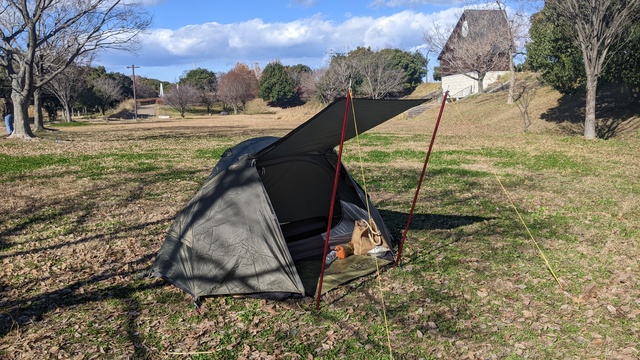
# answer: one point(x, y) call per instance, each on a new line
point(257, 227)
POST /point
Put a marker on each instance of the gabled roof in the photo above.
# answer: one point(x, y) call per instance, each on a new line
point(477, 21)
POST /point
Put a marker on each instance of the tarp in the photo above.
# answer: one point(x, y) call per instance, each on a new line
point(323, 131)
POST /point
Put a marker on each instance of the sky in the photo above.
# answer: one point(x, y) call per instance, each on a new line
point(217, 34)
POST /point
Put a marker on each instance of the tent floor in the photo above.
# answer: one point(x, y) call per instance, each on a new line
point(339, 272)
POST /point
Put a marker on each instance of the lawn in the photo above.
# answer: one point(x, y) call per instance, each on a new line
point(84, 209)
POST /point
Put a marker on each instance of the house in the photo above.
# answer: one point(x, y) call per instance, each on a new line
point(476, 53)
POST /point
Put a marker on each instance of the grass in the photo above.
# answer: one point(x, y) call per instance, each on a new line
point(81, 219)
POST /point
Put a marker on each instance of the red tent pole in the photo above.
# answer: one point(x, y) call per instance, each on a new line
point(424, 169)
point(333, 198)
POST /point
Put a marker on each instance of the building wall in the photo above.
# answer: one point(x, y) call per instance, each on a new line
point(460, 85)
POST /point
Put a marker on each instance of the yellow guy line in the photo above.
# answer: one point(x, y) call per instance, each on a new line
point(364, 187)
point(518, 213)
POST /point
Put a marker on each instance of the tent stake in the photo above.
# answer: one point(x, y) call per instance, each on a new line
point(424, 169)
point(333, 199)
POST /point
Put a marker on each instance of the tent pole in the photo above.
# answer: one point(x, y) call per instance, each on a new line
point(424, 168)
point(333, 198)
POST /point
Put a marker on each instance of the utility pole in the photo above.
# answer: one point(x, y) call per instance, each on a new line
point(135, 100)
point(426, 75)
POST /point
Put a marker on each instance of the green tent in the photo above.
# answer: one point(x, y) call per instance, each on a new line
point(257, 227)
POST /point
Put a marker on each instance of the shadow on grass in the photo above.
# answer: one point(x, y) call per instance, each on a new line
point(616, 113)
point(23, 311)
point(78, 214)
point(397, 221)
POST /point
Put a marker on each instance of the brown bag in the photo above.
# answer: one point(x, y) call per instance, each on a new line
point(365, 237)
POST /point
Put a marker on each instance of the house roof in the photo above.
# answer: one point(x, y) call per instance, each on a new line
point(477, 21)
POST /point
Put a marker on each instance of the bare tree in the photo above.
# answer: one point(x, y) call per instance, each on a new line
point(515, 34)
point(144, 90)
point(474, 47)
point(524, 93)
point(68, 29)
point(107, 91)
point(238, 86)
point(66, 87)
point(308, 82)
point(597, 25)
point(510, 44)
point(181, 97)
point(380, 76)
point(208, 99)
point(335, 81)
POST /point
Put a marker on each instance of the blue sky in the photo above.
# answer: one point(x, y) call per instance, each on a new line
point(216, 35)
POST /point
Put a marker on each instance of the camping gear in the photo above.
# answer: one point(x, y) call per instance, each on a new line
point(366, 236)
point(342, 251)
point(258, 224)
point(331, 257)
point(378, 251)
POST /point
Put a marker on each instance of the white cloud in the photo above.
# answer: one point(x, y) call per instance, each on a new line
point(219, 46)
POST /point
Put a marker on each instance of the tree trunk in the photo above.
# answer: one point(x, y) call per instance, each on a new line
point(67, 112)
point(481, 83)
point(512, 80)
point(590, 109)
point(38, 120)
point(21, 126)
point(512, 68)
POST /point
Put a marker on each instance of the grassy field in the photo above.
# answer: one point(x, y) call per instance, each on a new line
point(84, 209)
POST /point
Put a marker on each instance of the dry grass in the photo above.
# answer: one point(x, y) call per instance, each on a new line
point(84, 209)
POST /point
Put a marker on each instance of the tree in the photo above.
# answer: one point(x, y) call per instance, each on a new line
point(437, 73)
point(308, 84)
point(335, 81)
point(300, 74)
point(276, 86)
point(201, 79)
point(238, 86)
point(524, 93)
point(68, 29)
point(516, 33)
point(477, 45)
point(597, 27)
point(624, 66)
point(379, 74)
point(553, 54)
point(67, 86)
point(181, 97)
point(205, 81)
point(412, 64)
point(107, 90)
point(146, 88)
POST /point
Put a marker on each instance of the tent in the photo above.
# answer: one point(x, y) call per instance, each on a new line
point(257, 227)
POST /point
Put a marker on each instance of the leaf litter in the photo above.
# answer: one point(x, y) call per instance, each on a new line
point(75, 246)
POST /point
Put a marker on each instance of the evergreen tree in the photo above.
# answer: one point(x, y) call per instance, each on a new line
point(553, 54)
point(276, 86)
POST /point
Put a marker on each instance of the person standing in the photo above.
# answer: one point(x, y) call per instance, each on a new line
point(8, 122)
